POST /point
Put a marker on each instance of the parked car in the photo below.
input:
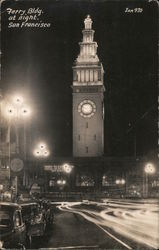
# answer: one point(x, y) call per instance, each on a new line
point(48, 211)
point(34, 219)
point(12, 227)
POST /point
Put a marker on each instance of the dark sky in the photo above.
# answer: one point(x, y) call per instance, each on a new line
point(38, 62)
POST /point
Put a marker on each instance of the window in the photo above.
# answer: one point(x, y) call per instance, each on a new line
point(5, 218)
point(86, 124)
point(75, 76)
point(99, 75)
point(95, 137)
point(86, 149)
point(79, 137)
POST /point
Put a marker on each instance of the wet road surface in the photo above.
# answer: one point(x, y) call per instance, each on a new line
point(110, 224)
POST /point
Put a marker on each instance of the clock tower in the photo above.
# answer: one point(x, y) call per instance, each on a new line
point(88, 95)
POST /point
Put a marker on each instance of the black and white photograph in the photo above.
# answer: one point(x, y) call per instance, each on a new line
point(79, 125)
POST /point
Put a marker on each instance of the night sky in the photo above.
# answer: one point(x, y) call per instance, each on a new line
point(38, 63)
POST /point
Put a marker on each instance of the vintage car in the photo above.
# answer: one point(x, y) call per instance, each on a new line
point(49, 212)
point(12, 227)
point(34, 219)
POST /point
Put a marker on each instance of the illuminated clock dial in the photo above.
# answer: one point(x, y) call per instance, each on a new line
point(87, 108)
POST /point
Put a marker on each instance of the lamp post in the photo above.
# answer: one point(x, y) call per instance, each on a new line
point(1, 98)
point(149, 169)
point(68, 168)
point(16, 112)
point(40, 152)
point(21, 112)
point(121, 182)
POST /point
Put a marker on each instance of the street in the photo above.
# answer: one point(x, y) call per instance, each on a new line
point(110, 224)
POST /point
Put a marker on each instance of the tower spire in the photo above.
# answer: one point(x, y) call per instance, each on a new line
point(88, 23)
point(88, 70)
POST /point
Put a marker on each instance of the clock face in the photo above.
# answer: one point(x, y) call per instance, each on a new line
point(87, 108)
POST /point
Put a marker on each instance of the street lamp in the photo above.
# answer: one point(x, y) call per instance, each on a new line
point(61, 183)
point(117, 182)
point(17, 99)
point(67, 168)
point(40, 152)
point(15, 111)
point(42, 145)
point(149, 169)
point(121, 182)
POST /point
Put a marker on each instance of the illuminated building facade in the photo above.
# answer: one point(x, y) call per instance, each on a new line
point(92, 172)
point(88, 95)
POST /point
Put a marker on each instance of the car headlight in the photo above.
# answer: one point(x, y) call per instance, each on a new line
point(1, 244)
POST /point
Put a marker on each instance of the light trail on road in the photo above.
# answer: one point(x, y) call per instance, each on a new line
point(137, 221)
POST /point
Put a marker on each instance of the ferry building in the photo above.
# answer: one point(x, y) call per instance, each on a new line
point(87, 170)
point(87, 117)
point(88, 94)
